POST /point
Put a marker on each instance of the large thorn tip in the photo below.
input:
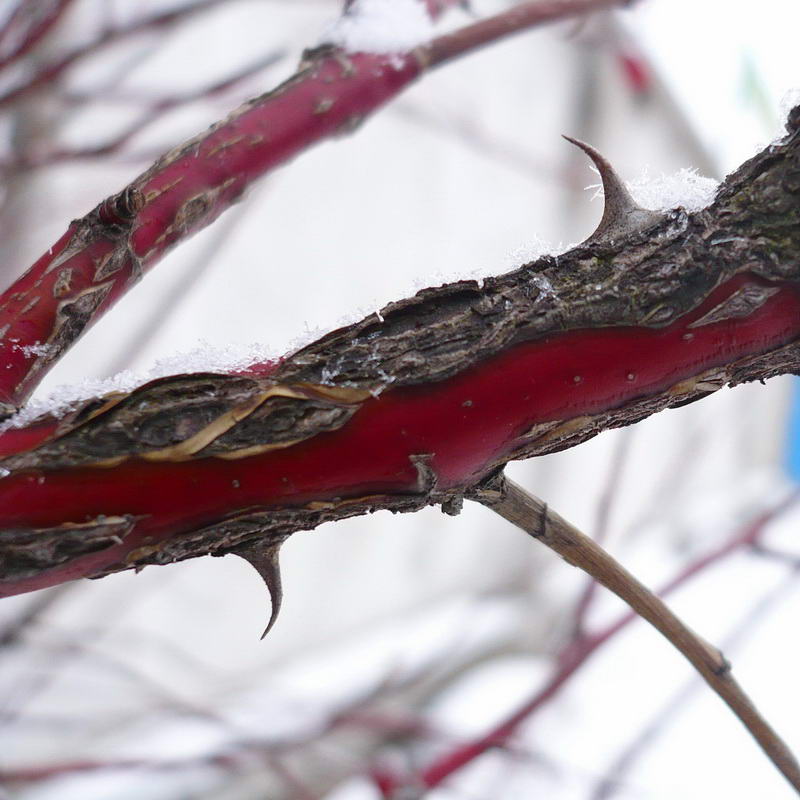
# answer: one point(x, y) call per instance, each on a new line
point(622, 215)
point(266, 563)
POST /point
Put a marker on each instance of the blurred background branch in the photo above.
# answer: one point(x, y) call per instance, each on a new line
point(425, 633)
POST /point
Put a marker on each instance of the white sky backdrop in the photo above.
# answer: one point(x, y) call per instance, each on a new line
point(358, 222)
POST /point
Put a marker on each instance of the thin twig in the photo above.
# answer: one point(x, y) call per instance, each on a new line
point(473, 133)
point(42, 603)
point(792, 559)
point(55, 69)
point(519, 18)
point(40, 21)
point(152, 112)
point(533, 516)
point(612, 782)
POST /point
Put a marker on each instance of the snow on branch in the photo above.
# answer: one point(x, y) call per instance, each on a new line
point(380, 26)
point(403, 409)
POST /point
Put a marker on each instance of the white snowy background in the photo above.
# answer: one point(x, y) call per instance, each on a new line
point(465, 174)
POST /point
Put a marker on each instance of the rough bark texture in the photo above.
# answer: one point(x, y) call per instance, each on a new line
point(107, 251)
point(648, 280)
point(420, 403)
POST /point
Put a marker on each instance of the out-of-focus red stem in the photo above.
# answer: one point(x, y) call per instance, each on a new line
point(55, 69)
point(39, 774)
point(516, 19)
point(35, 32)
point(579, 652)
point(635, 70)
point(91, 267)
point(155, 110)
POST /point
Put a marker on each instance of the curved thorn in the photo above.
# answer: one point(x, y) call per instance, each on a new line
point(265, 561)
point(622, 215)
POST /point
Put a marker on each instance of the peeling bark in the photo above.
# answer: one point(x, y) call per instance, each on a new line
point(105, 252)
point(421, 403)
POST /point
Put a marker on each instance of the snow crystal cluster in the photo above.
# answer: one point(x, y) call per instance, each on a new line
point(203, 358)
point(685, 188)
point(533, 249)
point(380, 26)
point(789, 101)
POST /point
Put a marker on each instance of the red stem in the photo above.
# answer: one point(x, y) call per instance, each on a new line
point(517, 19)
point(55, 69)
point(463, 420)
point(36, 32)
point(186, 191)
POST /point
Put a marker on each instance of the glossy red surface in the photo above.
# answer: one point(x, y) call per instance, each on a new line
point(465, 422)
point(190, 193)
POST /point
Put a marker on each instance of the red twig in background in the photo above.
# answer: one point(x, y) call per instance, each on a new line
point(154, 110)
point(473, 133)
point(578, 652)
point(612, 781)
point(55, 69)
point(363, 714)
point(93, 265)
point(44, 773)
point(27, 25)
point(635, 70)
point(515, 20)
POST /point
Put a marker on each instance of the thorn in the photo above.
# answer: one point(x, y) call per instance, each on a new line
point(622, 215)
point(265, 561)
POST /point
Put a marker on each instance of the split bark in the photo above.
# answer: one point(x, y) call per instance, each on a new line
point(419, 404)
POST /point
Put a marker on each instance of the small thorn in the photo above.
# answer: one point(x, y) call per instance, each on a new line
point(622, 215)
point(265, 561)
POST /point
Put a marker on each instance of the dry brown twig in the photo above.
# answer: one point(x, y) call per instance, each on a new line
point(532, 515)
point(614, 779)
